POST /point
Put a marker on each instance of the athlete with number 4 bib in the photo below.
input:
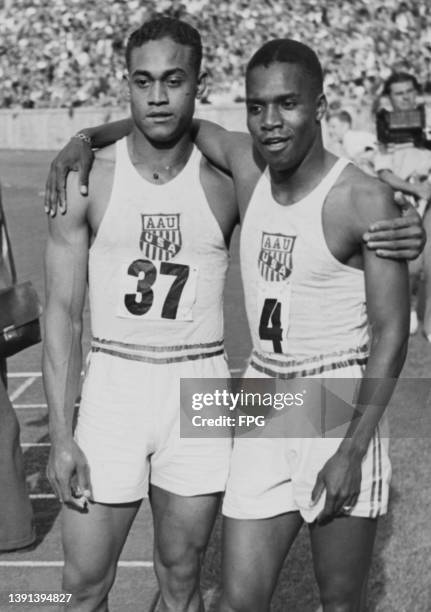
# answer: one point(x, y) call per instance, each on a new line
point(312, 289)
point(313, 292)
point(154, 233)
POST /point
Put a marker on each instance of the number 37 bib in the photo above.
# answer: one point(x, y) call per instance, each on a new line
point(157, 290)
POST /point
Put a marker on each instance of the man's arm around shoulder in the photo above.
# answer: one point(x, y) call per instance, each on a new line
point(66, 260)
point(417, 190)
point(222, 147)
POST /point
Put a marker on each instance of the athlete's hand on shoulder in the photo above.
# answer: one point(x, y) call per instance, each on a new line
point(76, 155)
point(68, 473)
point(341, 478)
point(400, 238)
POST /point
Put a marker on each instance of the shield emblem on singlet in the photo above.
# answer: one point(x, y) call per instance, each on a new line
point(275, 257)
point(160, 236)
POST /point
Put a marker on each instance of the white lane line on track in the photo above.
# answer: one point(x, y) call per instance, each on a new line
point(24, 374)
point(32, 406)
point(22, 406)
point(42, 496)
point(36, 444)
point(61, 563)
point(23, 386)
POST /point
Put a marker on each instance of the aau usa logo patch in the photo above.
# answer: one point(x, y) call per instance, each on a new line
point(275, 257)
point(161, 236)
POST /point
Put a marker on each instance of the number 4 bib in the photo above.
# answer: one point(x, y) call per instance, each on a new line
point(273, 312)
point(157, 290)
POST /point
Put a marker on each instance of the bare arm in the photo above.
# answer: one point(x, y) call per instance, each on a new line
point(388, 307)
point(66, 275)
point(400, 238)
point(78, 156)
point(398, 184)
point(220, 146)
point(108, 133)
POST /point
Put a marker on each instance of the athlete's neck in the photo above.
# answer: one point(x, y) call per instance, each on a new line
point(293, 184)
point(165, 158)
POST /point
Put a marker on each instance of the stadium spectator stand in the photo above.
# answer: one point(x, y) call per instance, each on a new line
point(68, 53)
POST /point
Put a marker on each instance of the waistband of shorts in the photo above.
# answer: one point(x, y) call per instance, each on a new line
point(311, 366)
point(157, 354)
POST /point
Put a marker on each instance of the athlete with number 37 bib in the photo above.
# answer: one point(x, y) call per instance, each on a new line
point(154, 233)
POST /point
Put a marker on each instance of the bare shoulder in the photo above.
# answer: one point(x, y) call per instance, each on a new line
point(367, 198)
point(104, 161)
point(247, 167)
point(240, 150)
point(220, 193)
point(218, 185)
point(213, 173)
point(107, 154)
point(238, 141)
point(364, 189)
point(100, 179)
point(230, 150)
point(101, 174)
point(231, 141)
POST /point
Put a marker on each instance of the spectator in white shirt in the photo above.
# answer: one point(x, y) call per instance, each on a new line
point(357, 145)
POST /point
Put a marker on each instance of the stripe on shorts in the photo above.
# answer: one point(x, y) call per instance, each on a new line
point(292, 368)
point(380, 483)
point(377, 486)
point(374, 484)
point(157, 348)
point(157, 354)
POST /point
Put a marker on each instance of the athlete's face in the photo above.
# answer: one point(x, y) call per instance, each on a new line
point(163, 86)
point(283, 113)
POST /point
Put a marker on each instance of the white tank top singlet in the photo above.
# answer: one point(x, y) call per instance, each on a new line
point(158, 264)
point(302, 303)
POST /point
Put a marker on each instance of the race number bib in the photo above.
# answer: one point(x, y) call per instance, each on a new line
point(157, 290)
point(273, 313)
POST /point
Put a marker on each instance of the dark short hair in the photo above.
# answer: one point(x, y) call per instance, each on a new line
point(341, 115)
point(167, 27)
point(400, 77)
point(292, 52)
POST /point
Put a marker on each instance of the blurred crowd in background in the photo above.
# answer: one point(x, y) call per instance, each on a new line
point(68, 53)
